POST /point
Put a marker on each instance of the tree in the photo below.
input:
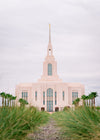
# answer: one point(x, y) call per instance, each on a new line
point(13, 99)
point(76, 102)
point(8, 98)
point(94, 95)
point(2, 94)
point(83, 97)
point(23, 102)
point(87, 98)
point(66, 108)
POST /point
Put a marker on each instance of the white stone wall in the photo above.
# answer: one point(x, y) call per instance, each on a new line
point(58, 87)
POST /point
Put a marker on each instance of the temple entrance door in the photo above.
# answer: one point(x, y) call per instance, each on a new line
point(50, 100)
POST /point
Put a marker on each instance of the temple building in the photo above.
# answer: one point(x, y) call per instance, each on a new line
point(49, 93)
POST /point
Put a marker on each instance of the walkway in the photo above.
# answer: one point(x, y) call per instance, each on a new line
point(48, 132)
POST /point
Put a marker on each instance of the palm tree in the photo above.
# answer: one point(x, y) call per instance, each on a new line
point(23, 102)
point(13, 99)
point(83, 97)
point(76, 102)
point(8, 98)
point(91, 98)
point(2, 94)
point(87, 98)
point(94, 95)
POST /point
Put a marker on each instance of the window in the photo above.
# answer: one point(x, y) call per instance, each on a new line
point(43, 98)
point(49, 100)
point(55, 98)
point(49, 69)
point(35, 95)
point(25, 95)
point(63, 94)
point(74, 96)
point(49, 51)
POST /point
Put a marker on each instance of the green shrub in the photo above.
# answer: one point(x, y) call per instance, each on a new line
point(81, 123)
point(66, 108)
point(16, 122)
point(98, 107)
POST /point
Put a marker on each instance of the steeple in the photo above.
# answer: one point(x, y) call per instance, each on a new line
point(49, 50)
point(50, 65)
point(49, 33)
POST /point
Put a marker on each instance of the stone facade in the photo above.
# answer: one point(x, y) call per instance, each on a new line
point(50, 93)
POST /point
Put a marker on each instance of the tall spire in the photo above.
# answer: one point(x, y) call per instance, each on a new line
point(49, 50)
point(49, 33)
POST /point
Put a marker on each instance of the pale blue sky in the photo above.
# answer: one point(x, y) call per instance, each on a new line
point(75, 30)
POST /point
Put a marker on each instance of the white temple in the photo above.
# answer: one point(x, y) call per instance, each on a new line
point(49, 93)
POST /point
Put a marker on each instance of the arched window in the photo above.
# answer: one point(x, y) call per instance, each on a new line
point(49, 100)
point(63, 94)
point(43, 98)
point(49, 69)
point(35, 95)
point(55, 98)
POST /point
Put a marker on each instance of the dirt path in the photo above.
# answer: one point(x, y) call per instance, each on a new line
point(48, 132)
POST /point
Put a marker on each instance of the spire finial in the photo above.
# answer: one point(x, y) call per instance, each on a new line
point(49, 33)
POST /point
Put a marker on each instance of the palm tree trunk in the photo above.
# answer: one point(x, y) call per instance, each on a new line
point(94, 102)
point(89, 102)
point(83, 102)
point(2, 101)
point(10, 103)
point(14, 102)
point(5, 101)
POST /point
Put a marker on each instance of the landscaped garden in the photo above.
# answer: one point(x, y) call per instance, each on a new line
point(79, 122)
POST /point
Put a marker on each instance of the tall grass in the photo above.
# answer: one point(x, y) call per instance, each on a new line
point(16, 122)
point(82, 123)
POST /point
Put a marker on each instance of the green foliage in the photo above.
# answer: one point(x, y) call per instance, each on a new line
point(81, 123)
point(91, 98)
point(66, 108)
point(98, 107)
point(23, 102)
point(16, 122)
point(83, 97)
point(7, 99)
point(94, 94)
point(76, 102)
point(2, 94)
